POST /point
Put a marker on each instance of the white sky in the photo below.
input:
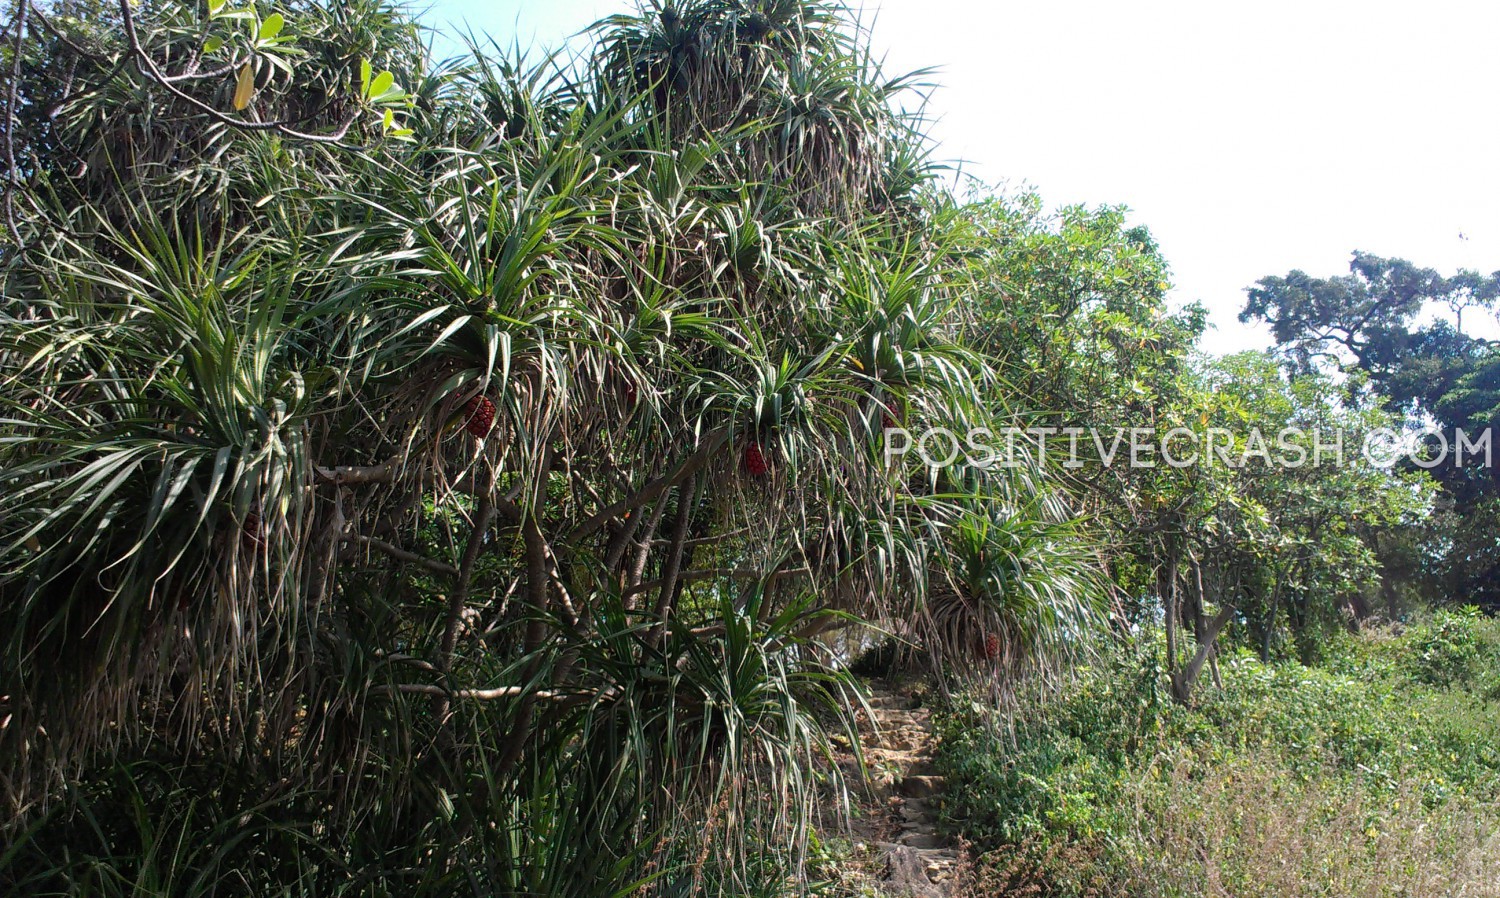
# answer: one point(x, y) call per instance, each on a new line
point(1250, 138)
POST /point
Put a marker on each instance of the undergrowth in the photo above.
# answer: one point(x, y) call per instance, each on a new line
point(1375, 773)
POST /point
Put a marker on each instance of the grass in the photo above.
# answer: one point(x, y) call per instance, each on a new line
point(1375, 773)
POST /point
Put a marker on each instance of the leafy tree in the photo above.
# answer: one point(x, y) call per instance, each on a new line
point(1372, 321)
point(1073, 306)
point(1303, 562)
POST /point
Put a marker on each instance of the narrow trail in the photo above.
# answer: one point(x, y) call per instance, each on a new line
point(901, 800)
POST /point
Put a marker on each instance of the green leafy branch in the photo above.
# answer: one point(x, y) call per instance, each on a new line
point(265, 41)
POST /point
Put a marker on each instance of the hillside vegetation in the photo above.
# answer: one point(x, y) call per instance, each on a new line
point(1375, 772)
point(470, 477)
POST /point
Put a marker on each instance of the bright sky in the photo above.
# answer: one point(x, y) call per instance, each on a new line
point(1252, 138)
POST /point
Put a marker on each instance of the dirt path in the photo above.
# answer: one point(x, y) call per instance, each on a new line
point(898, 827)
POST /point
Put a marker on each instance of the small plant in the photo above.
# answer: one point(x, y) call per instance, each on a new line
point(1447, 651)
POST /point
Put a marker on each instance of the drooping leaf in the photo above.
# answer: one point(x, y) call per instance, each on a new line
point(244, 87)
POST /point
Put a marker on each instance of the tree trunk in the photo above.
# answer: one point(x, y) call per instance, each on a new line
point(1183, 680)
point(1169, 608)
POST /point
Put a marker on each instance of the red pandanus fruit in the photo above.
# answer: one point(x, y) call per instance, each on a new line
point(755, 462)
point(479, 416)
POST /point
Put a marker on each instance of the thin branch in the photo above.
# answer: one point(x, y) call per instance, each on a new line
point(358, 474)
point(537, 595)
point(61, 36)
point(614, 553)
point(149, 68)
point(12, 175)
point(481, 694)
point(686, 496)
point(718, 573)
point(400, 554)
point(483, 517)
point(637, 570)
point(109, 76)
point(413, 660)
point(323, 570)
point(708, 540)
point(689, 466)
point(219, 72)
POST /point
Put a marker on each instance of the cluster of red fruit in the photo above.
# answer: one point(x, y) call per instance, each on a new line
point(479, 416)
point(754, 461)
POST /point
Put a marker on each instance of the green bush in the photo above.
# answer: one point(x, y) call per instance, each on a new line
point(1449, 650)
point(1339, 771)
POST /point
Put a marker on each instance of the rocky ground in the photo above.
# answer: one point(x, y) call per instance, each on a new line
point(898, 849)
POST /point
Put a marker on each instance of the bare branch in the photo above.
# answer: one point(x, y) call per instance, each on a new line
point(537, 584)
point(481, 694)
point(718, 573)
point(62, 37)
point(637, 570)
point(483, 517)
point(686, 468)
point(686, 496)
point(357, 474)
point(219, 72)
point(400, 554)
point(12, 174)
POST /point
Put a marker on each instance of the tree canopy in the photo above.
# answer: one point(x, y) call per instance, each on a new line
point(1375, 321)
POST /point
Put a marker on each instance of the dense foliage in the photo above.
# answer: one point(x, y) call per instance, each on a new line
point(1378, 321)
point(467, 476)
point(444, 487)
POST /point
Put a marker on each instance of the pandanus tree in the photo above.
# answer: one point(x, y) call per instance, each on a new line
point(458, 504)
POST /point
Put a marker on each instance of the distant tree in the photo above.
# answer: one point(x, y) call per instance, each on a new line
point(1372, 321)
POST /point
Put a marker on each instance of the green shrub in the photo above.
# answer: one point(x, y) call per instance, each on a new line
point(1448, 650)
point(1355, 778)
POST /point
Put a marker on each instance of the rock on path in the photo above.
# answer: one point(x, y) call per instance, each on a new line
point(902, 799)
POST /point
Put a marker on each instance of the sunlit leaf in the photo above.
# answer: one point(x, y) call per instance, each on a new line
point(380, 85)
point(271, 27)
point(244, 87)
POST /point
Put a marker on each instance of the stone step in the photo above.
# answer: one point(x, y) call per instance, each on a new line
point(890, 700)
point(894, 721)
point(921, 765)
point(923, 840)
point(897, 745)
point(906, 873)
point(921, 786)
